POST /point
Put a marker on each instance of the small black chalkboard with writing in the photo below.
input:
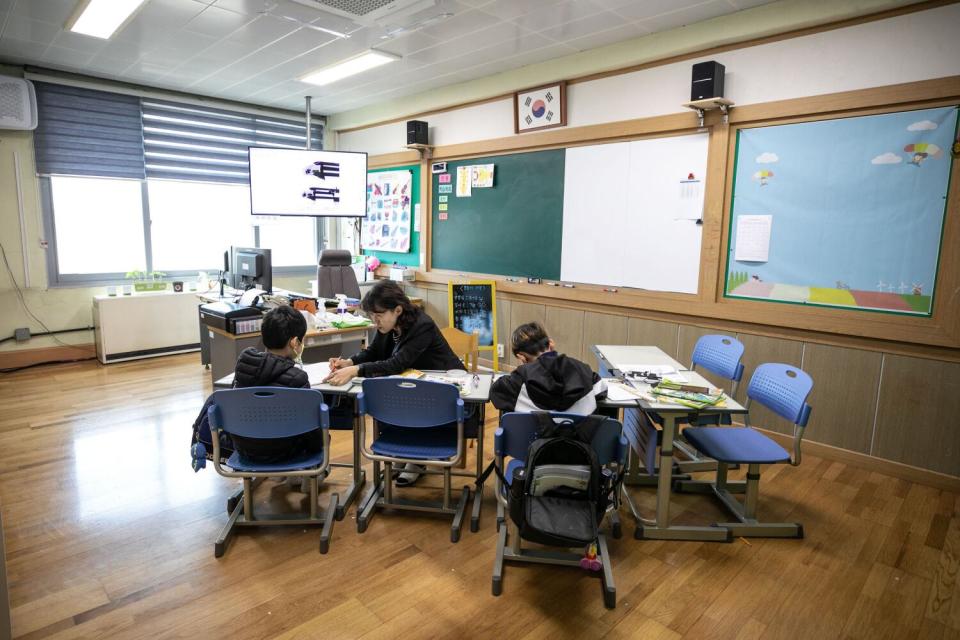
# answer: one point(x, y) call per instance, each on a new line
point(473, 308)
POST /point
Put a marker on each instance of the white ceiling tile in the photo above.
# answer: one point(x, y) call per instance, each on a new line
point(17, 50)
point(123, 50)
point(407, 44)
point(188, 44)
point(557, 14)
point(59, 55)
point(250, 7)
point(583, 27)
point(262, 31)
point(105, 64)
point(23, 28)
point(79, 42)
point(460, 25)
point(217, 22)
point(645, 8)
point(690, 15)
point(624, 32)
point(299, 42)
point(222, 53)
point(52, 11)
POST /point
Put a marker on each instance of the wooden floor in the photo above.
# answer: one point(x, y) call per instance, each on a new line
point(110, 534)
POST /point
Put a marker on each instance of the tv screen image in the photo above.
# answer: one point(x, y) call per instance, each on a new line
point(304, 182)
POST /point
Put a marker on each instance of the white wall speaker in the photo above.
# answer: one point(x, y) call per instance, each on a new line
point(18, 104)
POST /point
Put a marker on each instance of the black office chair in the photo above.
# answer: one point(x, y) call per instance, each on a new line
point(335, 275)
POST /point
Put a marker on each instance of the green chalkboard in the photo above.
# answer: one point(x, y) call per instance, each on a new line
point(513, 228)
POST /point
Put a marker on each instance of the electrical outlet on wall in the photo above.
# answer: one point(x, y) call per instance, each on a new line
point(499, 350)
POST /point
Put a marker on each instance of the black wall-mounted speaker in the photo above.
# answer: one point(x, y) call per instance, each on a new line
point(707, 81)
point(416, 132)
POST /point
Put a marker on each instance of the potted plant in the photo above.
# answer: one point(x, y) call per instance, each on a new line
point(143, 281)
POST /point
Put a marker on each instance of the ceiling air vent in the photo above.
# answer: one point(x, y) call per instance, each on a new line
point(368, 12)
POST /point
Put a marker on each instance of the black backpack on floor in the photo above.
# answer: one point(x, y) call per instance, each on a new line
point(561, 494)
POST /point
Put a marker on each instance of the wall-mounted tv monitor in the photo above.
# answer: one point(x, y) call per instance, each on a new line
point(302, 182)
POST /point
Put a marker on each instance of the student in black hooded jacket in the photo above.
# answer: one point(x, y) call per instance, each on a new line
point(282, 331)
point(546, 380)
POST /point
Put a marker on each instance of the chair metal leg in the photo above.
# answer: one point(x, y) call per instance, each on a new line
point(248, 500)
point(313, 497)
point(220, 546)
point(497, 587)
point(368, 504)
point(388, 482)
point(458, 516)
point(446, 487)
point(329, 517)
point(609, 589)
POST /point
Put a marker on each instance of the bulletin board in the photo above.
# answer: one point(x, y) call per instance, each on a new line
point(843, 213)
point(410, 256)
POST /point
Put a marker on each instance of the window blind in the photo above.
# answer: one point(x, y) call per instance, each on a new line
point(84, 132)
point(188, 142)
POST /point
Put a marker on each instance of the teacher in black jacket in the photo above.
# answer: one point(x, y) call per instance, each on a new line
point(407, 338)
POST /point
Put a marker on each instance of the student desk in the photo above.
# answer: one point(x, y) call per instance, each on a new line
point(659, 528)
point(479, 395)
point(318, 345)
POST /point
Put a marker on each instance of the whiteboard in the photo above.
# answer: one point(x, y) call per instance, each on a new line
point(630, 211)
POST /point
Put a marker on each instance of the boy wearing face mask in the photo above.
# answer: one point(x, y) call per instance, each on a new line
point(282, 331)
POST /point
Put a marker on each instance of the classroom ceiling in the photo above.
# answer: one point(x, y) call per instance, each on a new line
point(254, 51)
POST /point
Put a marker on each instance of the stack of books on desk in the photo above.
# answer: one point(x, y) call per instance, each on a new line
point(693, 399)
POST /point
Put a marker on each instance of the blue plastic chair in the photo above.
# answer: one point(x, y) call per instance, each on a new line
point(269, 413)
point(783, 389)
point(513, 438)
point(418, 422)
point(721, 356)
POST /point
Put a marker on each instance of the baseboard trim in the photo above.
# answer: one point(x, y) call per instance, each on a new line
point(27, 357)
point(871, 463)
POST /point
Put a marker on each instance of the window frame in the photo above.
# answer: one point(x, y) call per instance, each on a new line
point(57, 280)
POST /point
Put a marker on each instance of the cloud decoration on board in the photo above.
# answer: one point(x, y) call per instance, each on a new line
point(767, 157)
point(923, 125)
point(887, 158)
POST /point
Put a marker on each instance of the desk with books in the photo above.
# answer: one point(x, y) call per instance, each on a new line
point(640, 433)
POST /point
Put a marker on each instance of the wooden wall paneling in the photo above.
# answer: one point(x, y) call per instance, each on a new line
point(917, 415)
point(603, 328)
point(435, 303)
point(504, 329)
point(758, 350)
point(521, 313)
point(844, 396)
point(641, 331)
point(565, 326)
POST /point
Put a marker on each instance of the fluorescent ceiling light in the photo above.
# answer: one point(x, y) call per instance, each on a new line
point(349, 67)
point(100, 18)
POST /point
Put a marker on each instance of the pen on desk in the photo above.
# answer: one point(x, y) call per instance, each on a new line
point(610, 290)
point(568, 286)
point(552, 284)
point(511, 279)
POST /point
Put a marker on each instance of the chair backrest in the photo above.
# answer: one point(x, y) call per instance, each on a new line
point(465, 345)
point(268, 412)
point(411, 403)
point(783, 389)
point(518, 431)
point(335, 275)
point(720, 355)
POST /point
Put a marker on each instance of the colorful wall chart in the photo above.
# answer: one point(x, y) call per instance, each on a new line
point(842, 213)
point(389, 213)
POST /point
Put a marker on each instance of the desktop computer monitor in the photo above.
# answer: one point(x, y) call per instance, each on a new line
point(250, 268)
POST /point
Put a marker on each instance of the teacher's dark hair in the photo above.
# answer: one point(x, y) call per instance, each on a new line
point(386, 295)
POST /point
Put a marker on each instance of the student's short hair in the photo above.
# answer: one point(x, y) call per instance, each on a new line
point(281, 324)
point(386, 295)
point(530, 338)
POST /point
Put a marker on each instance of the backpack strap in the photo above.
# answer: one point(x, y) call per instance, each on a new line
point(492, 467)
point(587, 428)
point(546, 428)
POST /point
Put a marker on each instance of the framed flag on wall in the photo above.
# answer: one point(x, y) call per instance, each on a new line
point(540, 107)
